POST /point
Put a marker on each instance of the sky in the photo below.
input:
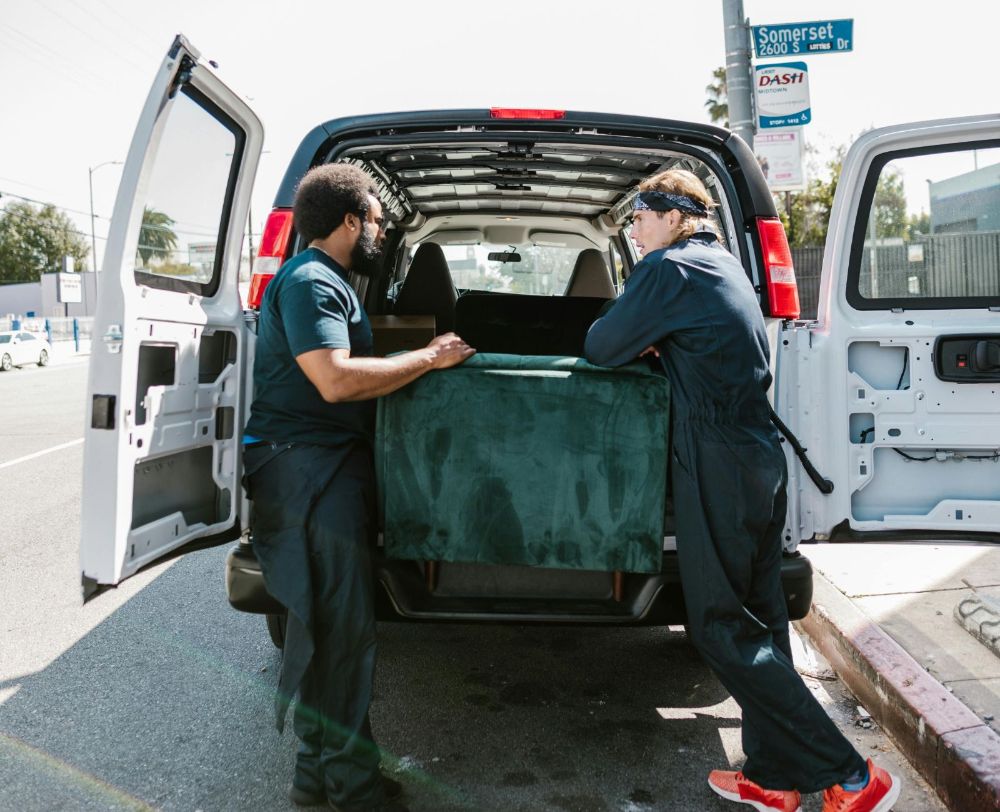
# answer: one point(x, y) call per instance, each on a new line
point(76, 72)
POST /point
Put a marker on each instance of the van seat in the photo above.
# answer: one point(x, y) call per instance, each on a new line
point(428, 289)
point(591, 276)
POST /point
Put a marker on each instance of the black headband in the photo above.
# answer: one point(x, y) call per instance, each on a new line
point(663, 201)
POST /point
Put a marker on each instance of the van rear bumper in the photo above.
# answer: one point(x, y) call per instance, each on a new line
point(471, 593)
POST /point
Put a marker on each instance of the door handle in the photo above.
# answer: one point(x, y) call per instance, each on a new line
point(986, 356)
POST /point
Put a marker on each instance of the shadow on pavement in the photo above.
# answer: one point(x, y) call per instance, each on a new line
point(168, 704)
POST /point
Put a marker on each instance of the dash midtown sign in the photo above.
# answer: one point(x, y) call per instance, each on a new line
point(782, 95)
point(803, 39)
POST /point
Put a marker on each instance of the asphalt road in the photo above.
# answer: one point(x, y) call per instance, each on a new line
point(158, 695)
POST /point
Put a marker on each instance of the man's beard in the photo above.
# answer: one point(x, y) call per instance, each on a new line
point(366, 256)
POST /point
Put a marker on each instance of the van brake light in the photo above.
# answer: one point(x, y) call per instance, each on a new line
point(273, 245)
point(779, 271)
point(517, 112)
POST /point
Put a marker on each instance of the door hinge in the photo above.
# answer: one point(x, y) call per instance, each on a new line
point(183, 75)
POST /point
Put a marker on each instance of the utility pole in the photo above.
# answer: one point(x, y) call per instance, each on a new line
point(90, 180)
point(738, 70)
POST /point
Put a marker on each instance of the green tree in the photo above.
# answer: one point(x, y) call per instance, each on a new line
point(156, 236)
point(718, 99)
point(806, 214)
point(34, 241)
point(918, 225)
point(890, 205)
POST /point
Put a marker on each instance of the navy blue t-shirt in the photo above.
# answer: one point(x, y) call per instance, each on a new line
point(308, 305)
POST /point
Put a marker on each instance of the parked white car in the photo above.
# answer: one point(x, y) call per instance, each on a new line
point(18, 348)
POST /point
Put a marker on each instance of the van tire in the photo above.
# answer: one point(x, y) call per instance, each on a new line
point(276, 629)
point(6, 363)
point(43, 358)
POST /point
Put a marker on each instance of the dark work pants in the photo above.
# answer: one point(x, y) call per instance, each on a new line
point(314, 523)
point(730, 483)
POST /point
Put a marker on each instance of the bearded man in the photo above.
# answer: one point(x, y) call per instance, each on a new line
point(309, 469)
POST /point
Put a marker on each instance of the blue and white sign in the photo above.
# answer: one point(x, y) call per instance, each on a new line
point(803, 39)
point(782, 94)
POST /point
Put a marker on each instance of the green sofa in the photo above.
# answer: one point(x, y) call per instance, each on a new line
point(543, 461)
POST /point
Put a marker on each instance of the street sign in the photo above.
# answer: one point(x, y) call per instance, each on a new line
point(803, 39)
point(782, 95)
point(70, 289)
point(779, 153)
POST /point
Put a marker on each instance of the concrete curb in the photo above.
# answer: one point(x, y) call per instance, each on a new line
point(951, 747)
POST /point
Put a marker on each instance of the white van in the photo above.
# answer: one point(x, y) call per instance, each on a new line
point(892, 390)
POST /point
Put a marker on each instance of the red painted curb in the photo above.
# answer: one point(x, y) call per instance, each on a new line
point(951, 747)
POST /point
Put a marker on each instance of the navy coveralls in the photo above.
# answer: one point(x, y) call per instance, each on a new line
point(694, 303)
point(313, 488)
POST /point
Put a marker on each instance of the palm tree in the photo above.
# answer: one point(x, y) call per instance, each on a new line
point(156, 237)
point(718, 102)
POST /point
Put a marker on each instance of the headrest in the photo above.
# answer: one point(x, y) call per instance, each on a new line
point(591, 276)
point(428, 288)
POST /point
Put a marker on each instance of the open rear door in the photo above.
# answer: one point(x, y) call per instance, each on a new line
point(164, 411)
point(896, 388)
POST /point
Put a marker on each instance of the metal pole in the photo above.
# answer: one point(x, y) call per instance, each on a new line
point(873, 261)
point(90, 180)
point(93, 235)
point(250, 235)
point(738, 70)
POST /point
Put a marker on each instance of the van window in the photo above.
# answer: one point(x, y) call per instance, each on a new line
point(928, 231)
point(186, 210)
point(543, 270)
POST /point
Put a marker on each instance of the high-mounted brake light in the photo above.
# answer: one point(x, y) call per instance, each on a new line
point(273, 245)
point(517, 112)
point(782, 292)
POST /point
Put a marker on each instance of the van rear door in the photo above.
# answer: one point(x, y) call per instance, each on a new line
point(896, 388)
point(164, 416)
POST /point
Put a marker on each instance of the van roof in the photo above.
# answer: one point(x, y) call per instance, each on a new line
point(437, 162)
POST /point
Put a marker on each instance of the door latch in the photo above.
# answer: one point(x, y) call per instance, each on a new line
point(113, 339)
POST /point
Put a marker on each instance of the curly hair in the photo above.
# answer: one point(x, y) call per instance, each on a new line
point(326, 195)
point(682, 182)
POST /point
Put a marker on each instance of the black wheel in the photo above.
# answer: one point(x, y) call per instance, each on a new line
point(6, 363)
point(276, 628)
point(43, 358)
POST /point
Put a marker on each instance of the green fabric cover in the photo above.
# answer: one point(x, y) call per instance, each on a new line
point(537, 460)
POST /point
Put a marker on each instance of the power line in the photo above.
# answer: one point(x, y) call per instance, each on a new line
point(90, 36)
point(9, 213)
point(118, 38)
point(71, 68)
point(4, 193)
point(150, 40)
point(31, 55)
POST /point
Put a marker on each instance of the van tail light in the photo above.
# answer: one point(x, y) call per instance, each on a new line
point(782, 292)
point(517, 112)
point(273, 245)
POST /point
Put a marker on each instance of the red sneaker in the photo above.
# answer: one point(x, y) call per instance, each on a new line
point(879, 796)
point(737, 787)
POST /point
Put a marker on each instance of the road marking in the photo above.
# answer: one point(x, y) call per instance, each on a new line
point(41, 453)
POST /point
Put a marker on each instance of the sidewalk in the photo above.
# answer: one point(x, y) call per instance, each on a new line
point(63, 351)
point(884, 615)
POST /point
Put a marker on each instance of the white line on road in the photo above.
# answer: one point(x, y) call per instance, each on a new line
point(41, 453)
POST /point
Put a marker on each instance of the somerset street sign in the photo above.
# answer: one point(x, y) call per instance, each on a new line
point(803, 39)
point(782, 94)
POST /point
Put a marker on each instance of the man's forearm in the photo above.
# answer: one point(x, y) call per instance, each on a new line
point(362, 378)
point(340, 378)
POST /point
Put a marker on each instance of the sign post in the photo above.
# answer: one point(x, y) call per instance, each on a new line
point(782, 93)
point(70, 290)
